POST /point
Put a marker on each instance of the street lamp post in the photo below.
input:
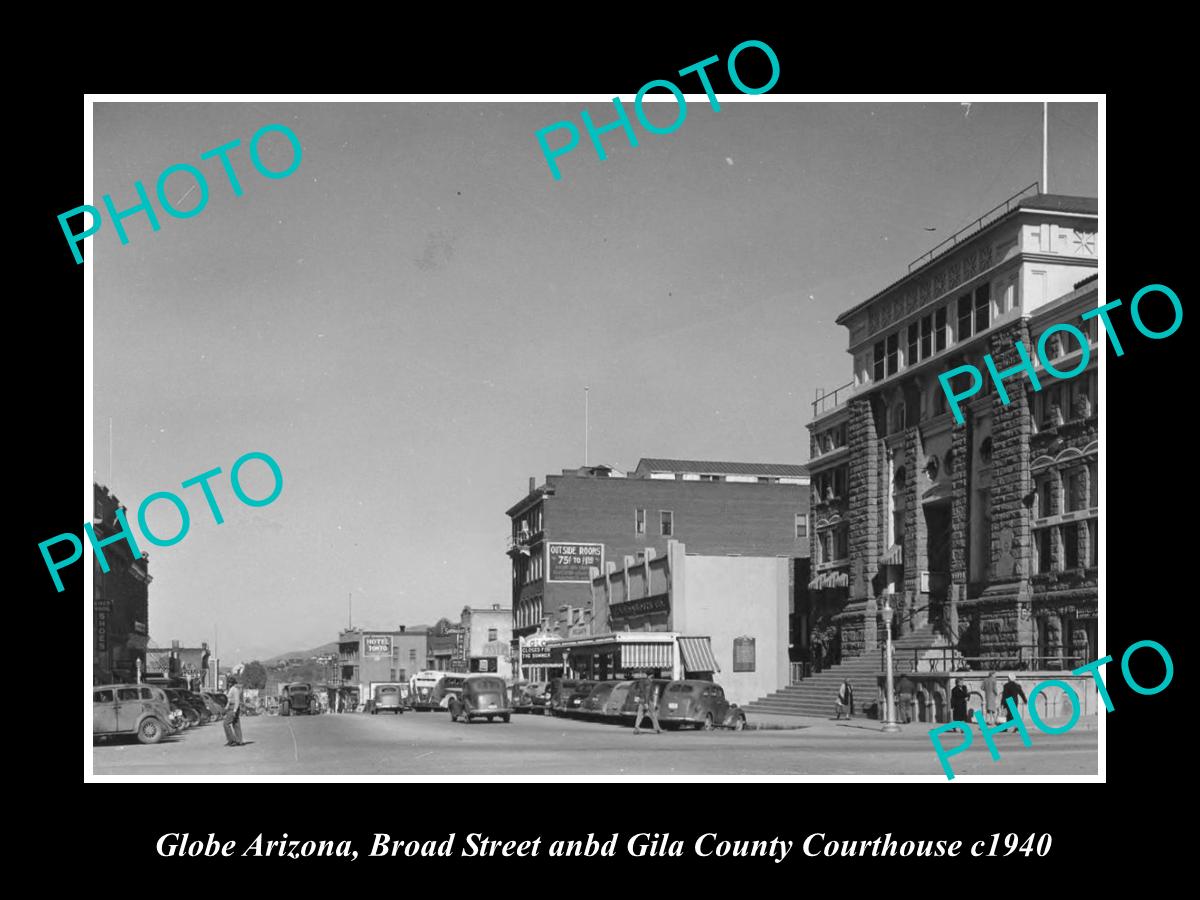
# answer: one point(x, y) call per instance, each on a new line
point(889, 724)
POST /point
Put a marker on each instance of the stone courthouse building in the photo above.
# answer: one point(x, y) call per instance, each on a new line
point(984, 533)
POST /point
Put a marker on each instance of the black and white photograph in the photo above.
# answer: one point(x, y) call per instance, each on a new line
point(683, 436)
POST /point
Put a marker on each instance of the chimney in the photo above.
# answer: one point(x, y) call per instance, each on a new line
point(532, 484)
point(495, 606)
point(174, 645)
point(402, 629)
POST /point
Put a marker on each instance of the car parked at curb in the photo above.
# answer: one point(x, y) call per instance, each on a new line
point(559, 690)
point(573, 704)
point(216, 702)
point(699, 704)
point(616, 700)
point(482, 697)
point(593, 703)
point(641, 687)
point(137, 709)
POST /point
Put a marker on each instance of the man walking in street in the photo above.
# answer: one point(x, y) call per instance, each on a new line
point(647, 702)
point(959, 696)
point(1013, 689)
point(845, 700)
point(991, 698)
point(233, 711)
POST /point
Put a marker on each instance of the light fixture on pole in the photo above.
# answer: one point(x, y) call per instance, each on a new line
point(889, 723)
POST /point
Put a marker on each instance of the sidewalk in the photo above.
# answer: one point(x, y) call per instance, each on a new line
point(819, 724)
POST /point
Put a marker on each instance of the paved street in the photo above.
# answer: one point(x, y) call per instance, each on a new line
point(430, 744)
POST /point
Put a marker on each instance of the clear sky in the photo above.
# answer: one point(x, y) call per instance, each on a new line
point(407, 323)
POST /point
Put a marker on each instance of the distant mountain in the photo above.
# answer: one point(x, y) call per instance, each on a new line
point(331, 647)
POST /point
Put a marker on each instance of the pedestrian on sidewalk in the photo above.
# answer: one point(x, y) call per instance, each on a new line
point(647, 703)
point(1013, 689)
point(844, 702)
point(959, 697)
point(991, 695)
point(233, 712)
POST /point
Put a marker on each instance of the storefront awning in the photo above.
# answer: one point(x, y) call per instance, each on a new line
point(894, 556)
point(698, 655)
point(646, 656)
point(815, 584)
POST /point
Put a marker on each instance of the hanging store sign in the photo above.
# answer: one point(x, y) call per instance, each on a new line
point(570, 562)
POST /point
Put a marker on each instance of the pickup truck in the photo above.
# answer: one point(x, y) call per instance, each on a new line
point(298, 699)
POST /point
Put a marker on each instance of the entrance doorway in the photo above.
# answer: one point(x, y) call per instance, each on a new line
point(937, 529)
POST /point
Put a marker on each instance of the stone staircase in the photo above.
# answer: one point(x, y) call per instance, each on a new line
point(814, 695)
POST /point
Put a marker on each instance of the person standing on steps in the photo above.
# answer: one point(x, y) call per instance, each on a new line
point(844, 702)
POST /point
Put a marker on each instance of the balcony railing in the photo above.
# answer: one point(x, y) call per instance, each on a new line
point(522, 539)
point(992, 214)
point(947, 659)
point(829, 401)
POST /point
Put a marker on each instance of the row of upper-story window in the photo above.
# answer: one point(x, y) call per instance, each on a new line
point(830, 484)
point(1058, 401)
point(1067, 489)
point(829, 439)
point(1066, 546)
point(949, 324)
point(833, 544)
point(528, 569)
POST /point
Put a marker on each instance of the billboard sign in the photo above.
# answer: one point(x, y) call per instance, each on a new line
point(571, 561)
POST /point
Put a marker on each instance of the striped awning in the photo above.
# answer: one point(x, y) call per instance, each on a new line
point(815, 584)
point(646, 656)
point(894, 556)
point(698, 655)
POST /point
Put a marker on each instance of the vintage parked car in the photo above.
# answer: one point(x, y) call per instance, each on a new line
point(573, 704)
point(482, 697)
point(216, 701)
point(389, 699)
point(539, 697)
point(616, 700)
point(297, 699)
point(593, 703)
point(131, 709)
point(701, 704)
point(560, 689)
point(530, 697)
point(181, 705)
point(519, 696)
point(642, 687)
point(199, 705)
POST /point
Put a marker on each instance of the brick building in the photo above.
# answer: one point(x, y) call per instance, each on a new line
point(368, 657)
point(584, 517)
point(983, 534)
point(120, 599)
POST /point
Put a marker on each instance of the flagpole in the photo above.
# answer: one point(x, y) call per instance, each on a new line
point(586, 413)
point(1045, 146)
